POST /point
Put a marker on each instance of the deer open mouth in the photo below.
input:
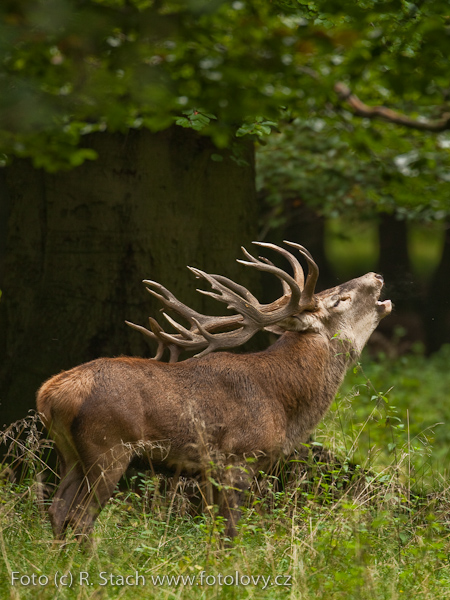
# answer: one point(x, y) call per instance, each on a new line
point(384, 307)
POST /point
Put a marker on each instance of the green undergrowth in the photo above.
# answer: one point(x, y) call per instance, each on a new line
point(395, 412)
point(363, 512)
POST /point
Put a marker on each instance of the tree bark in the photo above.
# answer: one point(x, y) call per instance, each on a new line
point(4, 216)
point(406, 325)
point(80, 242)
point(437, 307)
point(394, 262)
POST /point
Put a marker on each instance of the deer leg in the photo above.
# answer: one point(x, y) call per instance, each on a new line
point(64, 499)
point(100, 480)
point(236, 482)
point(71, 474)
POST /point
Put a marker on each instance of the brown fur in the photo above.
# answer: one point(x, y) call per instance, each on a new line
point(222, 408)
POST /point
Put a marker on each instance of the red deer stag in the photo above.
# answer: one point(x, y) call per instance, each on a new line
point(226, 407)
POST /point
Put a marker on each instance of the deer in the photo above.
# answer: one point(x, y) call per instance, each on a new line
point(244, 411)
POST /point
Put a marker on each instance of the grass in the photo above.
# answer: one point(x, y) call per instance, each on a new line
point(391, 411)
point(366, 518)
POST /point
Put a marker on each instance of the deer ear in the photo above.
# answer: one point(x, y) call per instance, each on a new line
point(304, 321)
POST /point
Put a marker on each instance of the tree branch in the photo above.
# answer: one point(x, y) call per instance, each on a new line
point(371, 112)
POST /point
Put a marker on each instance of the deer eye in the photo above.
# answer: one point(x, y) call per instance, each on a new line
point(339, 300)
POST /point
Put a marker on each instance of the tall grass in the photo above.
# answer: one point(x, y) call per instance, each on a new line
point(361, 512)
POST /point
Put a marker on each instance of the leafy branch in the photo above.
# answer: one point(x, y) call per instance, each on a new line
point(371, 112)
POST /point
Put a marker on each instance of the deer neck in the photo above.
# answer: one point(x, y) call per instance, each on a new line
point(308, 372)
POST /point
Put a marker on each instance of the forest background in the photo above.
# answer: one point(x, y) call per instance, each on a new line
point(128, 136)
point(141, 136)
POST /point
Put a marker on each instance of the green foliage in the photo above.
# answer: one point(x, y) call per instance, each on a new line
point(72, 66)
point(195, 119)
point(395, 411)
point(258, 127)
point(338, 169)
point(117, 65)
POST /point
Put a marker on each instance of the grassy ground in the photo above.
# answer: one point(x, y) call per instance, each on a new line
point(397, 412)
point(372, 522)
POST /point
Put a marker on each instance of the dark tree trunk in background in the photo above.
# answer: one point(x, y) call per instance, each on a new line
point(4, 215)
point(80, 242)
point(405, 326)
point(437, 307)
point(394, 263)
point(307, 228)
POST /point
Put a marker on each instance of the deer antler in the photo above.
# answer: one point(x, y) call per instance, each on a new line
point(206, 332)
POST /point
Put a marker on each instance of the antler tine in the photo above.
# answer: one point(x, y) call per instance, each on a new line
point(207, 341)
point(143, 330)
point(162, 344)
point(164, 340)
point(170, 301)
point(225, 340)
point(193, 339)
point(301, 248)
point(274, 311)
point(186, 333)
point(299, 275)
point(284, 285)
point(152, 335)
point(240, 289)
point(178, 340)
point(312, 277)
point(227, 295)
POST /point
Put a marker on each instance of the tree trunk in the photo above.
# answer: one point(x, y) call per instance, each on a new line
point(437, 307)
point(4, 216)
point(80, 242)
point(394, 263)
point(405, 326)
